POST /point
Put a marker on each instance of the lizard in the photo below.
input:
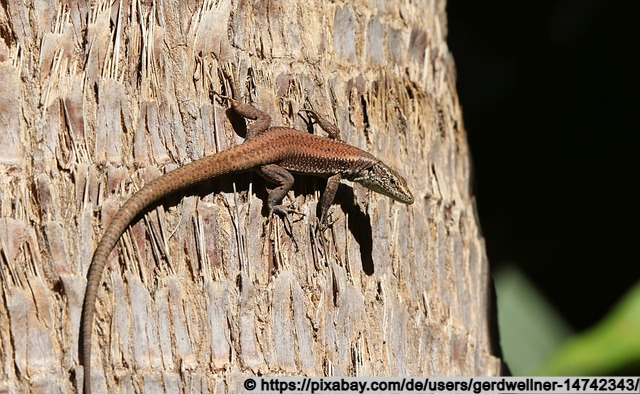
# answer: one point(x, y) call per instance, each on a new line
point(275, 153)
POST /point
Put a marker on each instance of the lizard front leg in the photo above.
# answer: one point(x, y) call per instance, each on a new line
point(327, 198)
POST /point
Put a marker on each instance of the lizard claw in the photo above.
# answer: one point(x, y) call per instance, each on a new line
point(308, 119)
point(323, 223)
point(284, 213)
point(315, 118)
point(321, 226)
point(222, 97)
point(311, 116)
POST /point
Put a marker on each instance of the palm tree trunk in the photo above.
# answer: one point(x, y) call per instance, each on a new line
point(204, 290)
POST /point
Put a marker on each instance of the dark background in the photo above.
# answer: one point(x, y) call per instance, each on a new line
point(551, 104)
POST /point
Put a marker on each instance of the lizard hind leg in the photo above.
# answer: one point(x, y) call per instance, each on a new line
point(284, 182)
point(331, 129)
point(262, 120)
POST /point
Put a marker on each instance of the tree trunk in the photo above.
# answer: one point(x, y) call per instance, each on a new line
point(205, 289)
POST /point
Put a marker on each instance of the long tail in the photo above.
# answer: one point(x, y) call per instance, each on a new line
point(237, 159)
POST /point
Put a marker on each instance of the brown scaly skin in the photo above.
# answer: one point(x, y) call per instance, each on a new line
point(273, 152)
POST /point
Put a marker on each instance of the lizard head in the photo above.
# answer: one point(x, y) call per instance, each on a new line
point(384, 180)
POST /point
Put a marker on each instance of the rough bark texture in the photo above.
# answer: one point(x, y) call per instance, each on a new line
point(203, 291)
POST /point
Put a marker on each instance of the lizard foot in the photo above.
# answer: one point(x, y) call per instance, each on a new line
point(315, 118)
point(284, 213)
